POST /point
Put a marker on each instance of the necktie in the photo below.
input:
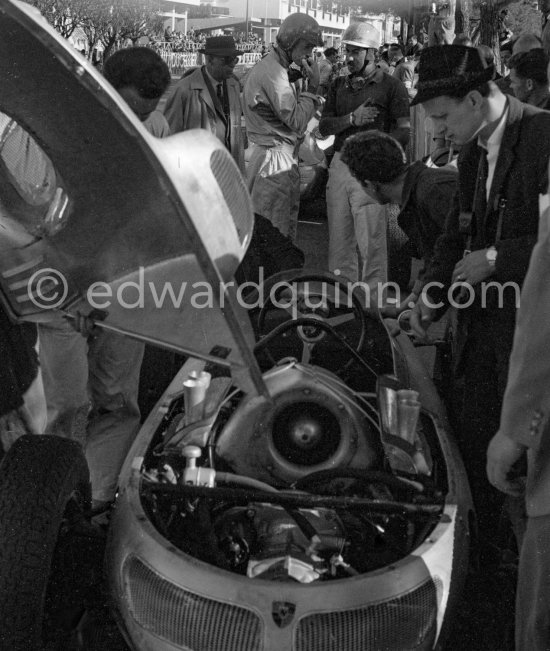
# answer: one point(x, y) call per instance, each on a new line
point(225, 108)
point(481, 185)
point(480, 201)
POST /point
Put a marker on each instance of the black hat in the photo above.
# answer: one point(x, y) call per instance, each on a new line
point(221, 46)
point(446, 69)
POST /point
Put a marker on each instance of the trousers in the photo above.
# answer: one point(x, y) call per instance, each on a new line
point(485, 364)
point(355, 221)
point(533, 594)
point(95, 379)
point(274, 185)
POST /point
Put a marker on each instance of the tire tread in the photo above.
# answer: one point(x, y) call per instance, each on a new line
point(37, 477)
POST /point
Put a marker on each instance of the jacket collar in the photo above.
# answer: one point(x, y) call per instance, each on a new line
point(469, 158)
point(197, 82)
point(280, 56)
point(506, 151)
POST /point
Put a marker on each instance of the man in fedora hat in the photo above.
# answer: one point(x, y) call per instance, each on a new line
point(209, 97)
point(488, 238)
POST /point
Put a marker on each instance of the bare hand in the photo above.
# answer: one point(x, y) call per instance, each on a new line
point(312, 72)
point(364, 115)
point(392, 311)
point(421, 317)
point(86, 323)
point(502, 454)
point(473, 268)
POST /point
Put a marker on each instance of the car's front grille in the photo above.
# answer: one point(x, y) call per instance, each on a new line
point(408, 622)
point(186, 619)
point(234, 191)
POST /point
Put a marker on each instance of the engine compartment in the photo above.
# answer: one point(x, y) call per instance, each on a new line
point(306, 483)
point(329, 524)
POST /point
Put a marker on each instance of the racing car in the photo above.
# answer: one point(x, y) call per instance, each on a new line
point(282, 494)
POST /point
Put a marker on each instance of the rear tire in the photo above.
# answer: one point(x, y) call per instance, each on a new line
point(44, 487)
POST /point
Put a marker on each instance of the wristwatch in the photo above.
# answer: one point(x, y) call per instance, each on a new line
point(491, 256)
point(352, 119)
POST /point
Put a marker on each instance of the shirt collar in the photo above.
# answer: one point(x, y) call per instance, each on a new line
point(375, 76)
point(495, 138)
point(213, 81)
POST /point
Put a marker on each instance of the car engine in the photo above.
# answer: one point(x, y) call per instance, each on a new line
point(298, 487)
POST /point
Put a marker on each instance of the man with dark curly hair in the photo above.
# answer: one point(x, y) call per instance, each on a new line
point(528, 77)
point(423, 193)
point(141, 77)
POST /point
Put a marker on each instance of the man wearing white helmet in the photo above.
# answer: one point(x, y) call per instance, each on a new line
point(367, 98)
point(276, 119)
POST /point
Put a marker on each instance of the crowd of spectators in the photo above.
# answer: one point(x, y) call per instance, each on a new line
point(193, 41)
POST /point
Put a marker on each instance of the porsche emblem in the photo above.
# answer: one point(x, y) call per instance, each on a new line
point(282, 613)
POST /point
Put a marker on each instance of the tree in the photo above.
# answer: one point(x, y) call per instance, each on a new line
point(462, 17)
point(520, 17)
point(489, 27)
point(108, 22)
point(64, 15)
point(523, 17)
point(139, 18)
point(96, 24)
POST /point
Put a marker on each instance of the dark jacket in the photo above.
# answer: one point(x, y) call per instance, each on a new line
point(545, 104)
point(520, 176)
point(427, 197)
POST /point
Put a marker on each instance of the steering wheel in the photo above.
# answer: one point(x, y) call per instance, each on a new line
point(313, 306)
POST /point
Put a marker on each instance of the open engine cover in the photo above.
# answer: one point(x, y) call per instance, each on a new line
point(126, 210)
point(311, 423)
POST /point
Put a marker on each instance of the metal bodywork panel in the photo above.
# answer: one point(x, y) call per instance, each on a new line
point(124, 206)
point(440, 562)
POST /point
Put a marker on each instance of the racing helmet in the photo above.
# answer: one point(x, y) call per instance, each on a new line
point(361, 35)
point(299, 26)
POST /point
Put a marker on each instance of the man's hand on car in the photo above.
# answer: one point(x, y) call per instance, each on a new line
point(422, 316)
point(86, 324)
point(393, 310)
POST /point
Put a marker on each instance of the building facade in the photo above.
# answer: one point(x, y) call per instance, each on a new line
point(264, 17)
point(175, 13)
